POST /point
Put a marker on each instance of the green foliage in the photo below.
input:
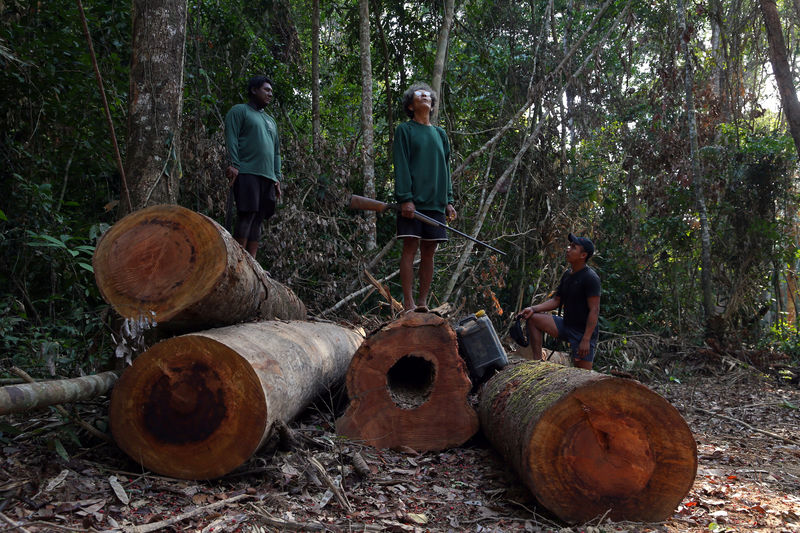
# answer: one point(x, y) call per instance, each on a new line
point(610, 160)
point(782, 337)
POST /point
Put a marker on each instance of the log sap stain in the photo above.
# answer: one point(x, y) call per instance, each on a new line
point(187, 408)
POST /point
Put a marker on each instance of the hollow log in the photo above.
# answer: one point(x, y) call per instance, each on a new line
point(199, 405)
point(585, 443)
point(28, 396)
point(182, 268)
point(408, 387)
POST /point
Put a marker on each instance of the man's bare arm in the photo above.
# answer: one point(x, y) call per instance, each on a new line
point(543, 307)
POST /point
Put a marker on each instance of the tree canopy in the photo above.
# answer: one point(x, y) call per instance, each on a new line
point(563, 116)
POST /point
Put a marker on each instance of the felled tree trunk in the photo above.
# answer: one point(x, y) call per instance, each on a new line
point(408, 387)
point(199, 405)
point(180, 267)
point(28, 396)
point(585, 443)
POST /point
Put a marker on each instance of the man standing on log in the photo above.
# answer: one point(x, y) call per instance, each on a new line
point(422, 182)
point(579, 293)
point(254, 170)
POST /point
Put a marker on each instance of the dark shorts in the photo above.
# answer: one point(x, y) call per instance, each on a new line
point(254, 194)
point(574, 336)
point(416, 229)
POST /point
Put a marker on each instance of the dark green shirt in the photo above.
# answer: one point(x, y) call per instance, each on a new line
point(252, 140)
point(421, 166)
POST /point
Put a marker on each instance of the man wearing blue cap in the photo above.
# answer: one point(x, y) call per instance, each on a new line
point(579, 293)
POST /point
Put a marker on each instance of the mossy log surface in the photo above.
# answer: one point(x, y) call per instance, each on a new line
point(185, 271)
point(199, 405)
point(408, 387)
point(586, 444)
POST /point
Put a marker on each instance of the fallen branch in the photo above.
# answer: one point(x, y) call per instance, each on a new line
point(82, 423)
point(285, 525)
point(359, 292)
point(341, 497)
point(155, 526)
point(14, 525)
point(32, 393)
point(748, 426)
point(397, 307)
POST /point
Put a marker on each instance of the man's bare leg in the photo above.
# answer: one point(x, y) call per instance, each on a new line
point(410, 246)
point(540, 323)
point(252, 247)
point(426, 251)
point(580, 363)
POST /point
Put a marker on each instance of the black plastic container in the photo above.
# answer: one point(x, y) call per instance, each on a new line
point(479, 346)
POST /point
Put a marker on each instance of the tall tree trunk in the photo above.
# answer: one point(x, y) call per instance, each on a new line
point(368, 142)
point(152, 163)
point(441, 55)
point(697, 175)
point(780, 67)
point(197, 406)
point(315, 118)
point(390, 103)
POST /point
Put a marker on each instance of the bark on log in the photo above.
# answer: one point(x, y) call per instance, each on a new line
point(21, 398)
point(187, 270)
point(585, 443)
point(408, 387)
point(199, 405)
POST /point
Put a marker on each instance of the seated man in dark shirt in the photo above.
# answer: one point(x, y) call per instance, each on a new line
point(579, 293)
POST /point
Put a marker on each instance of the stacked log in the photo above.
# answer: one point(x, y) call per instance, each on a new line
point(408, 387)
point(587, 444)
point(179, 267)
point(199, 405)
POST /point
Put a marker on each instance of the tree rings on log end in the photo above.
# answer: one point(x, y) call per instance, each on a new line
point(587, 444)
point(160, 259)
point(621, 447)
point(408, 387)
point(189, 408)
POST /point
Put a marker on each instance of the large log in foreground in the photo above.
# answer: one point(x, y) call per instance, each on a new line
point(187, 271)
point(585, 443)
point(199, 405)
point(408, 387)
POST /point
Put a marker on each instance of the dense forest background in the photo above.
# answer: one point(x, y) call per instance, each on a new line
point(655, 128)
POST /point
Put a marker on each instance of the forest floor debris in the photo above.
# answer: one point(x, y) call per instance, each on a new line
point(53, 479)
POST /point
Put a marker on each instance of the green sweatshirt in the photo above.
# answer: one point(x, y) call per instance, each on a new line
point(252, 140)
point(421, 166)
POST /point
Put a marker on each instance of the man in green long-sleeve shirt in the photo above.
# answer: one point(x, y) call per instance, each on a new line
point(254, 171)
point(422, 182)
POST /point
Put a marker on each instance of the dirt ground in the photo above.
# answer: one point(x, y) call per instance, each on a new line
point(56, 477)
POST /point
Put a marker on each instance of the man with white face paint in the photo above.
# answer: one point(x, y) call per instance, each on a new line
point(579, 293)
point(421, 154)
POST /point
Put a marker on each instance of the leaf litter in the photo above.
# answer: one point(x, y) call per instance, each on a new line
point(748, 477)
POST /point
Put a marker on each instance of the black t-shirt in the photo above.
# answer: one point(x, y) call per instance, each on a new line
point(574, 289)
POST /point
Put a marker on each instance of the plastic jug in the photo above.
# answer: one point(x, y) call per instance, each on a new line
point(479, 346)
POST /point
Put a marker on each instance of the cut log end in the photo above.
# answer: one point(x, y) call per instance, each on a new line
point(408, 387)
point(589, 445)
point(159, 260)
point(195, 397)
